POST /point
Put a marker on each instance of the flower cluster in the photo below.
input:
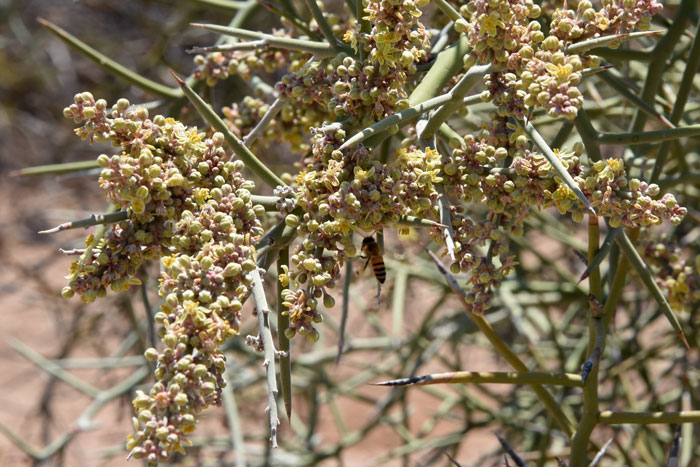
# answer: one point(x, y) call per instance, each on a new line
point(537, 72)
point(188, 203)
point(486, 271)
point(476, 171)
point(204, 284)
point(613, 18)
point(370, 88)
point(292, 125)
point(628, 202)
point(676, 274)
point(215, 66)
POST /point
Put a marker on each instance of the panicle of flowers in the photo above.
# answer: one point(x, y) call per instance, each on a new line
point(614, 17)
point(676, 272)
point(292, 124)
point(342, 192)
point(497, 29)
point(204, 284)
point(481, 250)
point(537, 72)
point(160, 168)
point(496, 168)
point(397, 38)
point(188, 203)
point(369, 89)
point(215, 66)
point(628, 202)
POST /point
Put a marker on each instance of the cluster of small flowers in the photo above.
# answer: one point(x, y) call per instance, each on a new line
point(474, 173)
point(471, 240)
point(162, 164)
point(215, 66)
point(676, 274)
point(537, 73)
point(186, 199)
point(498, 29)
point(204, 284)
point(627, 202)
point(372, 88)
point(614, 17)
point(343, 192)
point(397, 38)
point(293, 123)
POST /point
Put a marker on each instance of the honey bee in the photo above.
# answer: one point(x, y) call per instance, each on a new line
point(371, 249)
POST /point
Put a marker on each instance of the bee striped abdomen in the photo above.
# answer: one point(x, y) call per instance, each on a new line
point(379, 269)
point(374, 257)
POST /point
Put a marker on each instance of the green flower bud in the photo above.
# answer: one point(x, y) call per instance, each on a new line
point(151, 354)
point(181, 399)
point(292, 221)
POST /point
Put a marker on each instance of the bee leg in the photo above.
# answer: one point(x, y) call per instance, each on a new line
point(379, 291)
point(359, 271)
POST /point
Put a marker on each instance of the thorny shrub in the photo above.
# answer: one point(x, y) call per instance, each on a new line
point(189, 201)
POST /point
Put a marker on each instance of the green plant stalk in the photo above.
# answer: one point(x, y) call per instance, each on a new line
point(110, 65)
point(583, 46)
point(52, 368)
point(319, 49)
point(513, 360)
point(228, 5)
point(447, 64)
point(618, 284)
point(555, 162)
point(323, 25)
point(398, 304)
point(633, 98)
point(588, 135)
point(457, 95)
point(488, 377)
point(679, 105)
point(95, 219)
point(502, 348)
point(282, 340)
point(621, 54)
point(448, 9)
point(265, 336)
point(648, 137)
point(609, 417)
point(244, 154)
point(347, 279)
point(596, 344)
point(56, 169)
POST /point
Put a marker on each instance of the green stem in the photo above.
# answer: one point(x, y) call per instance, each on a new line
point(513, 360)
point(490, 377)
point(319, 49)
point(596, 345)
point(661, 51)
point(110, 65)
point(448, 9)
point(609, 417)
point(326, 28)
point(648, 137)
point(457, 95)
point(57, 169)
